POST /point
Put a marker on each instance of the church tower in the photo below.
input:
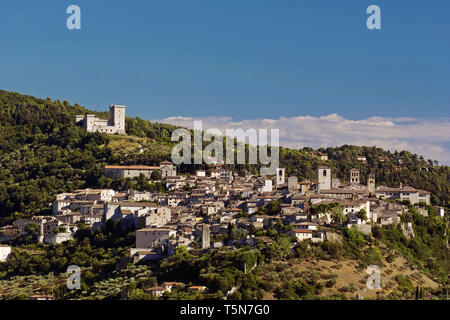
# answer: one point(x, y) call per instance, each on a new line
point(324, 177)
point(280, 176)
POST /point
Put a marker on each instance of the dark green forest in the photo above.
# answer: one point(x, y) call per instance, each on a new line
point(43, 153)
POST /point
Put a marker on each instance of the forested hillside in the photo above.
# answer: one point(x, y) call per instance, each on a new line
point(42, 153)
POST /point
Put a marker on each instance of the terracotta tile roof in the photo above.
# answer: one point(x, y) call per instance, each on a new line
point(132, 167)
point(302, 231)
point(156, 288)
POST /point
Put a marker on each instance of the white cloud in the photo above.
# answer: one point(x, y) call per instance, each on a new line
point(427, 137)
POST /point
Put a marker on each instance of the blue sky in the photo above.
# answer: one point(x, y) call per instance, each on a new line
point(233, 58)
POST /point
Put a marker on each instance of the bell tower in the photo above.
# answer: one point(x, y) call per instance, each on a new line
point(280, 176)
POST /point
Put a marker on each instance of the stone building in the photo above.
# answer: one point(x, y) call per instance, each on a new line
point(371, 183)
point(293, 184)
point(324, 177)
point(121, 172)
point(5, 251)
point(404, 193)
point(206, 236)
point(115, 123)
point(166, 169)
point(280, 176)
point(152, 237)
point(354, 176)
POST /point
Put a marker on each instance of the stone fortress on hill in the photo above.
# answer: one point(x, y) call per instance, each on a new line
point(115, 123)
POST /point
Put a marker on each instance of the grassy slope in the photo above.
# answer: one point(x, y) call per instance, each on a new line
point(347, 272)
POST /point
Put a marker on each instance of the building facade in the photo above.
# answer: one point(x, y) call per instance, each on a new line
point(324, 177)
point(115, 123)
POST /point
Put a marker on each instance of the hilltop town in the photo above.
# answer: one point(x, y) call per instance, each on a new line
point(218, 198)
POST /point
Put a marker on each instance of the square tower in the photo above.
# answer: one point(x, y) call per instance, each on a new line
point(324, 177)
point(117, 117)
point(206, 236)
point(371, 183)
point(354, 176)
point(280, 176)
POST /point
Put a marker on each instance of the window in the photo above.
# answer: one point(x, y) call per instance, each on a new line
point(324, 173)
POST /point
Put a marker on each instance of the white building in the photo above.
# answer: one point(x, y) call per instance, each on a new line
point(404, 193)
point(157, 218)
point(301, 234)
point(81, 200)
point(200, 173)
point(152, 237)
point(156, 291)
point(58, 238)
point(166, 169)
point(121, 172)
point(355, 206)
point(267, 186)
point(280, 176)
point(134, 195)
point(306, 225)
point(115, 123)
point(439, 211)
point(118, 210)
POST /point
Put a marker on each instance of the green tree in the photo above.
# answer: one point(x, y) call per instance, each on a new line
point(279, 249)
point(362, 214)
point(337, 215)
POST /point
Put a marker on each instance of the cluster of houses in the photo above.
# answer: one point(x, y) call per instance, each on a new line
point(198, 208)
point(216, 198)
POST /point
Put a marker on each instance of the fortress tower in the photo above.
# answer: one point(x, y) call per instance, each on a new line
point(117, 117)
point(115, 123)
